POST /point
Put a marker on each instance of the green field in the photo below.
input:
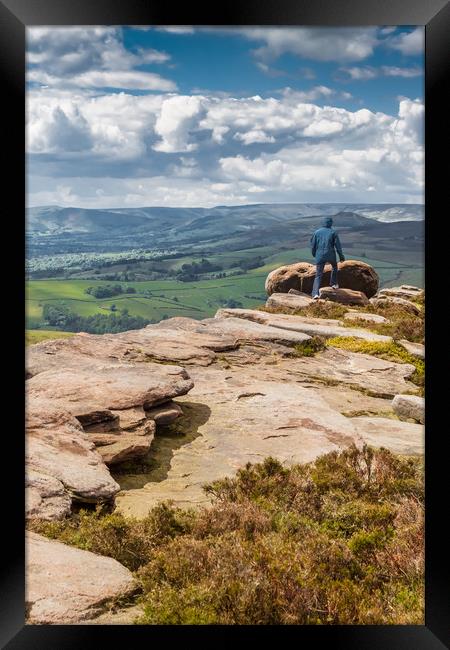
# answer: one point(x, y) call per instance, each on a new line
point(202, 298)
point(36, 336)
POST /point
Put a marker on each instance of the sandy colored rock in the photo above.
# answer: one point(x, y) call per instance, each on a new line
point(368, 373)
point(384, 301)
point(411, 407)
point(162, 342)
point(406, 291)
point(416, 349)
point(399, 437)
point(45, 497)
point(344, 296)
point(288, 301)
point(230, 418)
point(353, 274)
point(165, 414)
point(92, 395)
point(56, 446)
point(126, 447)
point(246, 329)
point(327, 328)
point(370, 318)
point(65, 585)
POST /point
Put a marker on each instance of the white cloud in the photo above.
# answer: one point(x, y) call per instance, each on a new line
point(320, 44)
point(364, 73)
point(254, 136)
point(194, 146)
point(90, 57)
point(178, 115)
point(177, 29)
point(409, 43)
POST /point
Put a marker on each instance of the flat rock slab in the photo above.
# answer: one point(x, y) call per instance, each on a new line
point(411, 407)
point(399, 437)
point(370, 318)
point(378, 377)
point(327, 328)
point(58, 448)
point(92, 395)
point(344, 296)
point(246, 330)
point(405, 291)
point(289, 301)
point(162, 342)
point(416, 349)
point(65, 585)
point(243, 419)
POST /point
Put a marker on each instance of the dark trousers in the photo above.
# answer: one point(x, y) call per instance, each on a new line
point(318, 278)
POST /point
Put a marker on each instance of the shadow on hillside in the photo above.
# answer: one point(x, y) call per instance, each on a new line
point(154, 467)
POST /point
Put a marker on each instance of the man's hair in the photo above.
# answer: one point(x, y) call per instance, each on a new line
point(327, 221)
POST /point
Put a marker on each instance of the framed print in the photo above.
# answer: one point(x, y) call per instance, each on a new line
point(229, 218)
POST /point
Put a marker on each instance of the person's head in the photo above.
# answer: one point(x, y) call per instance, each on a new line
point(327, 222)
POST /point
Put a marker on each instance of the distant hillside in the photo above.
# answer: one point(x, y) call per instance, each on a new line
point(52, 229)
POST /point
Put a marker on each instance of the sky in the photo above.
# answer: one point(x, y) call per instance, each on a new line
point(134, 116)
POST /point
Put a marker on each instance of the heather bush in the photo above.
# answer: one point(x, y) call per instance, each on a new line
point(336, 541)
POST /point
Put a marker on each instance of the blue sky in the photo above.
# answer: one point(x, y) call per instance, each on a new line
point(198, 116)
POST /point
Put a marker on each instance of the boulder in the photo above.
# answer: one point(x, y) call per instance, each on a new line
point(409, 407)
point(289, 301)
point(369, 318)
point(416, 349)
point(344, 296)
point(353, 274)
point(383, 301)
point(58, 448)
point(165, 414)
point(65, 585)
point(399, 437)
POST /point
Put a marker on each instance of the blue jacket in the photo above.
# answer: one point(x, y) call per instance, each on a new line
point(324, 242)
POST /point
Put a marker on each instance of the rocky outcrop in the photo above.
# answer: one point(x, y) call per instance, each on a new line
point(59, 453)
point(66, 585)
point(45, 496)
point(369, 318)
point(399, 437)
point(416, 349)
point(241, 414)
point(344, 296)
point(353, 274)
point(409, 407)
point(289, 302)
point(407, 305)
point(326, 328)
point(81, 398)
point(405, 291)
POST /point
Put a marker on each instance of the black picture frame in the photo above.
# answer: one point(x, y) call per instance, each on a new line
point(15, 16)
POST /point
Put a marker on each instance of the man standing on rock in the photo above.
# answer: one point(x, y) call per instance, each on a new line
point(323, 244)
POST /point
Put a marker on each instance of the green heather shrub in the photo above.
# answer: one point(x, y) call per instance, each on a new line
point(310, 347)
point(402, 324)
point(335, 541)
